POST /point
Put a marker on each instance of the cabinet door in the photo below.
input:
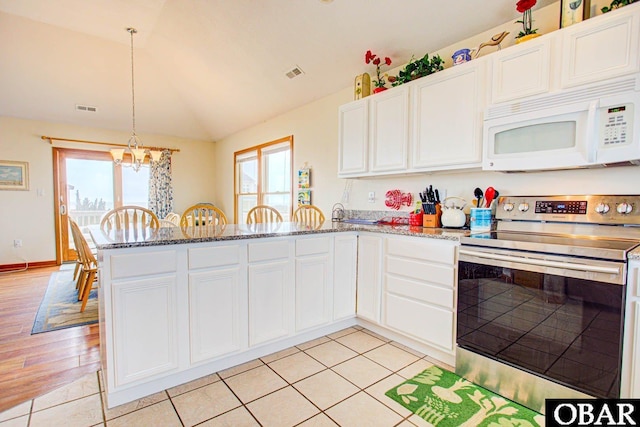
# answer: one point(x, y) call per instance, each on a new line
point(447, 125)
point(369, 277)
point(353, 138)
point(216, 320)
point(144, 328)
point(602, 48)
point(389, 130)
point(313, 291)
point(523, 70)
point(344, 276)
point(271, 301)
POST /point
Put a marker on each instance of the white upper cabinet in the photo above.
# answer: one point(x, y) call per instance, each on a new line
point(353, 127)
point(524, 71)
point(447, 118)
point(389, 130)
point(601, 48)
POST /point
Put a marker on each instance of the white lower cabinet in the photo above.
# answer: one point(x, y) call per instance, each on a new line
point(145, 330)
point(314, 292)
point(369, 277)
point(630, 387)
point(419, 283)
point(345, 261)
point(271, 291)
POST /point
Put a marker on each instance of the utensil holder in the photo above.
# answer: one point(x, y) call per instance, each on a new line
point(480, 219)
point(432, 221)
point(415, 219)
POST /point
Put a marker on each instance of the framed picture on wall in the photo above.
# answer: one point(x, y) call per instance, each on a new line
point(574, 11)
point(14, 175)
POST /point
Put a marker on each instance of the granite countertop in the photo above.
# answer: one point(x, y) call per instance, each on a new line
point(177, 235)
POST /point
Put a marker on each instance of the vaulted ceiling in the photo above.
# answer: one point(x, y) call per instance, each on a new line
point(205, 69)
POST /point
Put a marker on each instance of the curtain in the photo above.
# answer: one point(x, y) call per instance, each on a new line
point(160, 186)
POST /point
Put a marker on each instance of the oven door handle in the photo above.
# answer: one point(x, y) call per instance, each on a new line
point(543, 262)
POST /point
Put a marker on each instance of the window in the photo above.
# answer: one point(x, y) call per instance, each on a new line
point(263, 177)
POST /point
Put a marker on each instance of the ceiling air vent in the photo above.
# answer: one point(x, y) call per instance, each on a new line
point(294, 72)
point(86, 108)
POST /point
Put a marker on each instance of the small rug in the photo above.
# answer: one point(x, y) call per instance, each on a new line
point(60, 307)
point(444, 399)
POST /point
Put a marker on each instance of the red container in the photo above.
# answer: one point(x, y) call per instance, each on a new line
point(415, 219)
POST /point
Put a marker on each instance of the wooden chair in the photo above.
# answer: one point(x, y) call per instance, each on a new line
point(88, 265)
point(165, 223)
point(263, 214)
point(308, 215)
point(201, 215)
point(173, 217)
point(129, 218)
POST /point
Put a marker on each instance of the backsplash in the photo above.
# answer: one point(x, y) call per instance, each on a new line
point(376, 215)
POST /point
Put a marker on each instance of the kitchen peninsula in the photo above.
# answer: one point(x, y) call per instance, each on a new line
point(179, 304)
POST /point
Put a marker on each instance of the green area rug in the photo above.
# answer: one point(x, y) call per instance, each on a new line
point(444, 399)
point(60, 307)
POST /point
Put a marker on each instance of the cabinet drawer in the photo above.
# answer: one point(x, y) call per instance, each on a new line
point(433, 251)
point(312, 246)
point(268, 251)
point(143, 264)
point(422, 271)
point(426, 323)
point(214, 256)
point(420, 291)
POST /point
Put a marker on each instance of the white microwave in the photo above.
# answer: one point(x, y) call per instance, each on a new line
point(572, 129)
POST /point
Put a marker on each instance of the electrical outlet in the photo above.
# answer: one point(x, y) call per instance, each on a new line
point(17, 243)
point(372, 196)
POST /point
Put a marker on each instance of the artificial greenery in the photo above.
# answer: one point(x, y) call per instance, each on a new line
point(616, 4)
point(416, 68)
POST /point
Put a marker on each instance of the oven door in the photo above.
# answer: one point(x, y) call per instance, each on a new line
point(557, 317)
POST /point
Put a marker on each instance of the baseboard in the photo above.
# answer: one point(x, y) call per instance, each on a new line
point(4, 268)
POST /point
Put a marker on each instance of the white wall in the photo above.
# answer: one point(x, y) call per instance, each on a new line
point(315, 130)
point(27, 216)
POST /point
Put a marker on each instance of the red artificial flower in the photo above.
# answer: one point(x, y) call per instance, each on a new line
point(368, 57)
point(387, 60)
point(376, 61)
point(524, 5)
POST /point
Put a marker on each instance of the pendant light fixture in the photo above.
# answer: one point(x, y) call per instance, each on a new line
point(134, 146)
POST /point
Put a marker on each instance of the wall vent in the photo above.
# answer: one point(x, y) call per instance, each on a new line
point(294, 72)
point(87, 108)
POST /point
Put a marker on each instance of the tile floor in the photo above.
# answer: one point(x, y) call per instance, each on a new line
point(339, 379)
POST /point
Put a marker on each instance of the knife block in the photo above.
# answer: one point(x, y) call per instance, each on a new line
point(432, 221)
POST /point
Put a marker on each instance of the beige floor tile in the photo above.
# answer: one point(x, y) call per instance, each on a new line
point(326, 388)
point(240, 368)
point(312, 343)
point(83, 412)
point(406, 423)
point(121, 410)
point(360, 342)
point(391, 357)
point(296, 367)
point(420, 422)
point(408, 349)
point(379, 389)
point(161, 414)
point(362, 371)
point(283, 408)
point(85, 386)
point(279, 355)
point(255, 383)
point(205, 402)
point(363, 410)
point(440, 364)
point(375, 335)
point(16, 411)
point(320, 420)
point(192, 385)
point(22, 421)
point(239, 417)
point(331, 353)
point(342, 333)
point(414, 369)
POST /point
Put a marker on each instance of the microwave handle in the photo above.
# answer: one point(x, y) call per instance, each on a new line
point(592, 131)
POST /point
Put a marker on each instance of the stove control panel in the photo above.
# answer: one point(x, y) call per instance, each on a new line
point(592, 209)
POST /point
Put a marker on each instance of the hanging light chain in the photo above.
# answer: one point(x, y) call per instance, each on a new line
point(133, 31)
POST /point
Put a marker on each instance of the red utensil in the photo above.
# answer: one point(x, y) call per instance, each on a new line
point(489, 195)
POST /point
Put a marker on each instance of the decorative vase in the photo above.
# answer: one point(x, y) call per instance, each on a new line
point(527, 37)
point(379, 89)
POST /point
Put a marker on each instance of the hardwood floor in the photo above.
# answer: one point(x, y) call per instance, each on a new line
point(31, 365)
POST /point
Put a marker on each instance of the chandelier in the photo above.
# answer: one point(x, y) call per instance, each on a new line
point(134, 146)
